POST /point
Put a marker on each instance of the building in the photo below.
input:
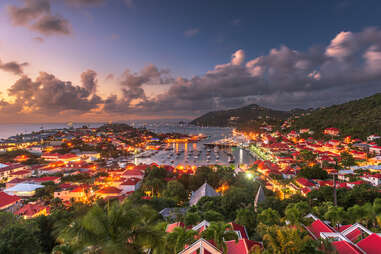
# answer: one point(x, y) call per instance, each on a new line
point(332, 131)
point(9, 203)
point(23, 189)
point(204, 191)
point(29, 211)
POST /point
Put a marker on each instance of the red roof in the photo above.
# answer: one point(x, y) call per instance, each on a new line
point(240, 228)
point(318, 227)
point(305, 182)
point(171, 227)
point(109, 190)
point(243, 246)
point(46, 179)
point(7, 200)
point(131, 181)
point(31, 209)
point(371, 244)
point(21, 172)
point(344, 247)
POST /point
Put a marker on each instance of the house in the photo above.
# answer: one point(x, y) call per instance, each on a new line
point(131, 184)
point(20, 174)
point(375, 150)
point(107, 192)
point(8, 202)
point(332, 131)
point(374, 180)
point(372, 138)
point(7, 169)
point(29, 211)
point(172, 213)
point(171, 227)
point(133, 173)
point(204, 191)
point(68, 192)
point(347, 239)
point(304, 183)
point(46, 179)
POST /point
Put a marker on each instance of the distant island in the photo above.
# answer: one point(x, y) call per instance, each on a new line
point(358, 118)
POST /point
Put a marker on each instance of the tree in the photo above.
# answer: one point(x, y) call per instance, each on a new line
point(211, 215)
point(269, 217)
point(336, 215)
point(289, 240)
point(219, 232)
point(118, 229)
point(175, 190)
point(247, 218)
point(192, 218)
point(295, 212)
point(314, 172)
point(180, 237)
point(347, 159)
point(19, 238)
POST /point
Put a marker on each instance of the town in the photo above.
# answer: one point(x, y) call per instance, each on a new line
point(324, 193)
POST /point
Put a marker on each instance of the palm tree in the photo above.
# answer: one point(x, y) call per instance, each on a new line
point(288, 240)
point(118, 229)
point(180, 237)
point(219, 232)
point(336, 215)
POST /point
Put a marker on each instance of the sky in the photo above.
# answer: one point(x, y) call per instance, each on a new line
point(101, 60)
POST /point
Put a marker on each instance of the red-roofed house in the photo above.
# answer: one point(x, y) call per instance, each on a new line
point(54, 179)
point(375, 150)
point(332, 131)
point(107, 192)
point(171, 227)
point(134, 173)
point(29, 211)
point(304, 183)
point(374, 180)
point(131, 184)
point(8, 202)
point(20, 174)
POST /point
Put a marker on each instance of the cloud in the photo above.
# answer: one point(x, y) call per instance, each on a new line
point(132, 89)
point(48, 95)
point(13, 67)
point(129, 3)
point(89, 81)
point(191, 32)
point(284, 78)
point(236, 22)
point(50, 25)
point(37, 16)
point(39, 39)
point(84, 3)
point(347, 68)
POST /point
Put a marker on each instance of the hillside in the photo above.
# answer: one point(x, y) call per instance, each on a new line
point(248, 115)
point(358, 118)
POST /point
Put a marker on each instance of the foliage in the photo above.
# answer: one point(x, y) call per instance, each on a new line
point(289, 240)
point(314, 172)
point(219, 232)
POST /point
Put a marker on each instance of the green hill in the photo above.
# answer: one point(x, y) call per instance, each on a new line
point(358, 118)
point(240, 117)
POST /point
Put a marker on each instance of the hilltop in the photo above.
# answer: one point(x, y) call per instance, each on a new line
point(249, 115)
point(358, 118)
